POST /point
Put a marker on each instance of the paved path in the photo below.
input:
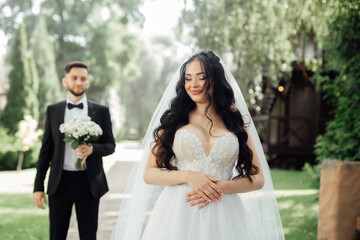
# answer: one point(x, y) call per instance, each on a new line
point(109, 203)
point(117, 167)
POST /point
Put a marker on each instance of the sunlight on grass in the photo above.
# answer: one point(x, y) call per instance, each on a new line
point(22, 211)
point(299, 217)
point(21, 219)
point(297, 201)
point(291, 180)
point(298, 204)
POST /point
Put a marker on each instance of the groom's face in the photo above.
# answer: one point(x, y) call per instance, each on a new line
point(76, 81)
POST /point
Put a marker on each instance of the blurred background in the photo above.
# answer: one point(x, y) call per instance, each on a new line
point(297, 64)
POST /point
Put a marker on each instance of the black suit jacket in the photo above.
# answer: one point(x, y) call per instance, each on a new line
point(53, 148)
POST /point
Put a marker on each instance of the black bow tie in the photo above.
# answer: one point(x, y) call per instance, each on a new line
point(71, 106)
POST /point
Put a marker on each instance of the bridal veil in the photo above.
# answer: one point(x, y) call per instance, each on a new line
point(139, 198)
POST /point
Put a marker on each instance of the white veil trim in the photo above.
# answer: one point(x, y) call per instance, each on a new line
point(134, 211)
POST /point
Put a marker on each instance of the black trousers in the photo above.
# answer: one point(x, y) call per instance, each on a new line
point(73, 189)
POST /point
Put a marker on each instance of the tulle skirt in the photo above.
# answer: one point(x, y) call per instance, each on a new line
point(173, 219)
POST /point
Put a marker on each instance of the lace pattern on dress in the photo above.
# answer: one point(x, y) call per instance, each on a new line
point(190, 154)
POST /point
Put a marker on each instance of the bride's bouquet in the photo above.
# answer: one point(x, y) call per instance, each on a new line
point(80, 131)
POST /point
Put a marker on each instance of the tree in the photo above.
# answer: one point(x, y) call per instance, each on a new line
point(12, 13)
point(32, 89)
point(342, 44)
point(138, 97)
point(44, 54)
point(141, 92)
point(73, 26)
point(23, 81)
point(257, 37)
point(111, 52)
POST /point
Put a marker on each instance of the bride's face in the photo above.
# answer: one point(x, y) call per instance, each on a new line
point(195, 81)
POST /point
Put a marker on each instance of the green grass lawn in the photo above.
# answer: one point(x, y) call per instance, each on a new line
point(21, 219)
point(298, 212)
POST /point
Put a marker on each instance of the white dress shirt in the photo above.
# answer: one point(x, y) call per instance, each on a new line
point(69, 156)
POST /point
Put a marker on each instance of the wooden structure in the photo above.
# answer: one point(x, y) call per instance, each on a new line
point(292, 115)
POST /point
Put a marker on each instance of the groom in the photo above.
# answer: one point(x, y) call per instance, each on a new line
point(67, 185)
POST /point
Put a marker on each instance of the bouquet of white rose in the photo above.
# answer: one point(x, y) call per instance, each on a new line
point(80, 131)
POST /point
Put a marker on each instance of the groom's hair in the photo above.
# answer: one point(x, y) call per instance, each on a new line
point(78, 64)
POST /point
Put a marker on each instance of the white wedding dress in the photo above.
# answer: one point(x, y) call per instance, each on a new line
point(251, 216)
point(173, 219)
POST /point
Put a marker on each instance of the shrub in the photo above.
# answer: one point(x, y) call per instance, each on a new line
point(342, 55)
point(8, 150)
point(9, 153)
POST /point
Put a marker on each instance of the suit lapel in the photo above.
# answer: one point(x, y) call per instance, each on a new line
point(91, 110)
point(60, 115)
point(59, 119)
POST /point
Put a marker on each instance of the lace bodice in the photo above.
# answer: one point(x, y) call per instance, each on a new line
point(190, 154)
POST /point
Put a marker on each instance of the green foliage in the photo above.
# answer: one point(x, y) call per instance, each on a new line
point(142, 92)
point(23, 81)
point(10, 12)
point(44, 54)
point(264, 37)
point(82, 32)
point(76, 142)
point(32, 101)
point(113, 52)
point(258, 37)
point(312, 174)
point(9, 152)
point(95, 32)
point(341, 140)
point(140, 89)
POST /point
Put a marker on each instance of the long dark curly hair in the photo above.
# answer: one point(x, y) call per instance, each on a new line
point(181, 105)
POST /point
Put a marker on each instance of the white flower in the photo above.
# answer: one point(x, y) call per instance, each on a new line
point(28, 132)
point(81, 129)
point(75, 135)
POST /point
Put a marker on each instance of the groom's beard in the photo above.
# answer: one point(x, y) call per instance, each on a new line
point(76, 94)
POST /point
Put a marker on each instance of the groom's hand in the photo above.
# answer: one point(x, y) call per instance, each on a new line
point(38, 196)
point(84, 151)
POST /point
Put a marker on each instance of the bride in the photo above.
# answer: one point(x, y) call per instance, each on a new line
point(217, 182)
